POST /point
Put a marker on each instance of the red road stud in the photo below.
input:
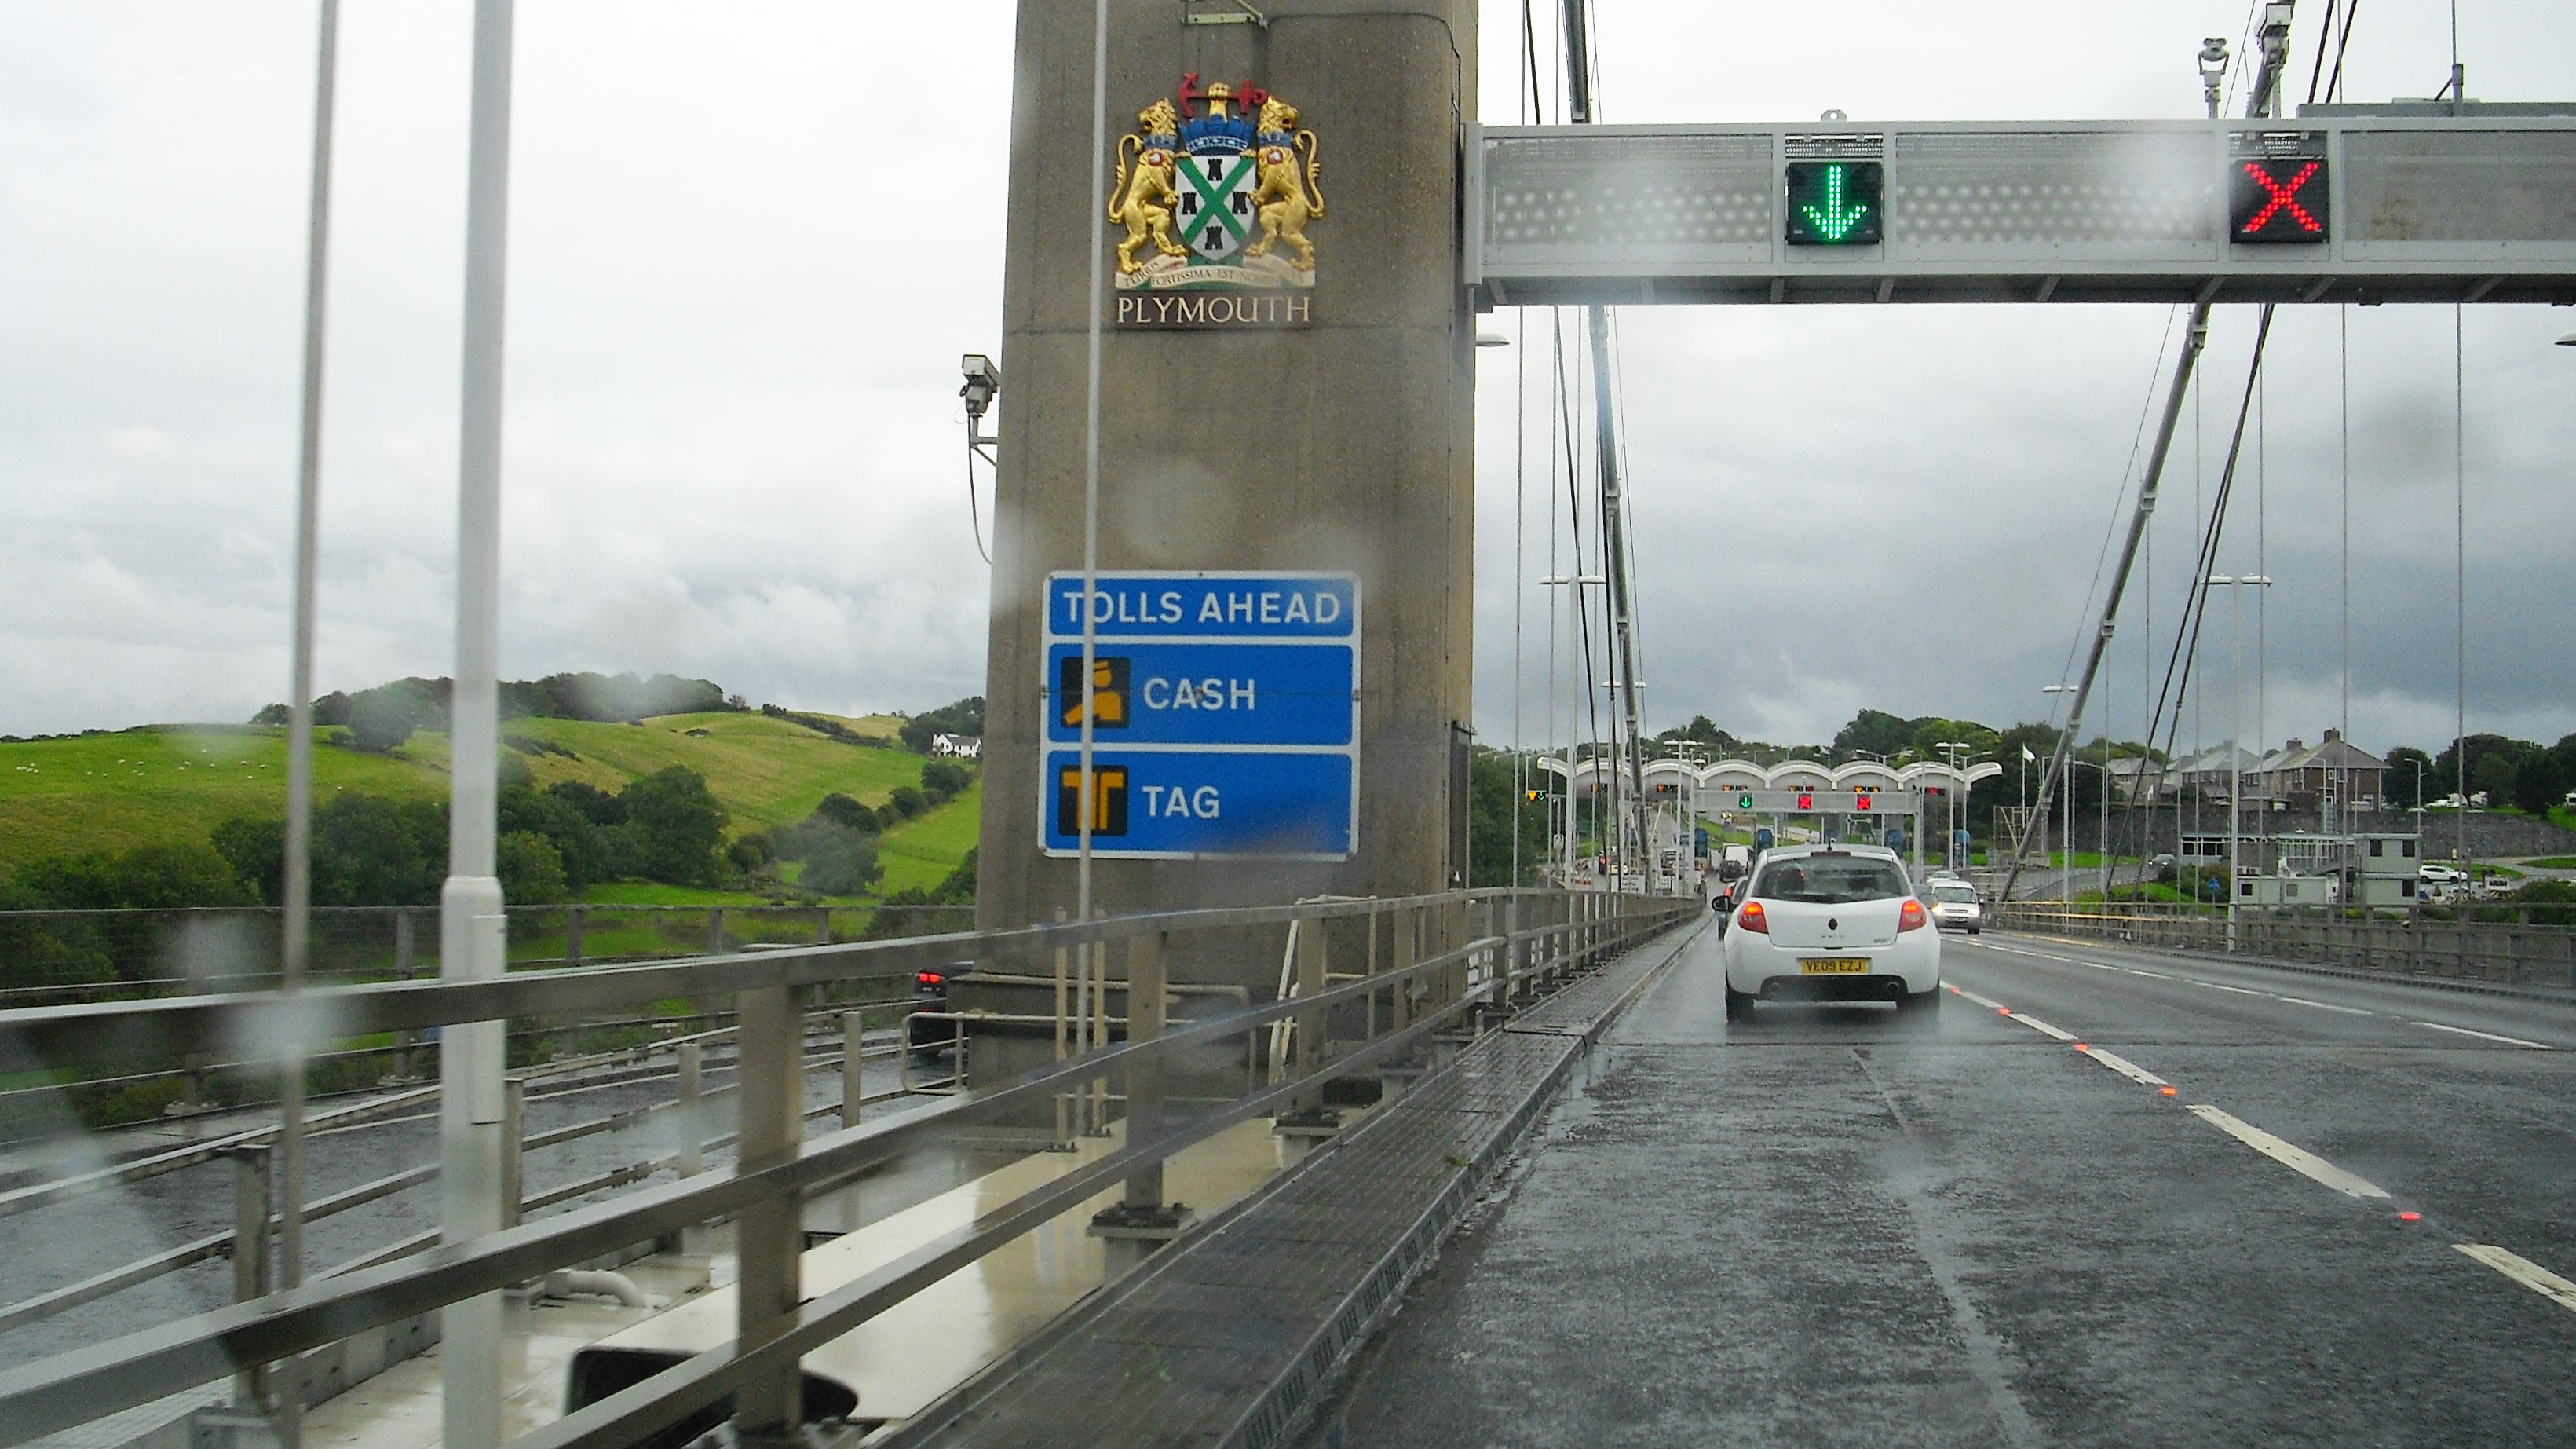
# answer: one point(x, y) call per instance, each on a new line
point(2003, 1011)
point(2168, 1091)
point(2081, 1047)
point(2410, 1217)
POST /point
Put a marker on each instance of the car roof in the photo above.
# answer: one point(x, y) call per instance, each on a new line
point(1796, 852)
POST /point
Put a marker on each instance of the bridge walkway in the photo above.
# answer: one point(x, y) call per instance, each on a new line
point(1231, 1335)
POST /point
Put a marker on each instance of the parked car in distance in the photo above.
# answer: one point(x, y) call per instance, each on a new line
point(1955, 906)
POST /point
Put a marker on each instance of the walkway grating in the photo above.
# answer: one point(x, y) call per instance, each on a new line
point(1226, 1339)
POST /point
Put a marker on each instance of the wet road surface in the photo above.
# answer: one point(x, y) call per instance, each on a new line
point(1835, 1225)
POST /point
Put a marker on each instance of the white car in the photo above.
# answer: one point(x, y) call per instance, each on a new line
point(1831, 923)
point(1955, 906)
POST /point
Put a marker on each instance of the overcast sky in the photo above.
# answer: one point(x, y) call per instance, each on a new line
point(749, 240)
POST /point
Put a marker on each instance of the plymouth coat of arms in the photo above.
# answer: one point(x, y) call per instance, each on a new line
point(1215, 192)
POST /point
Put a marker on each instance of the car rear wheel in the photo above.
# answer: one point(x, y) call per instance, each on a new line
point(1739, 1005)
point(1920, 1001)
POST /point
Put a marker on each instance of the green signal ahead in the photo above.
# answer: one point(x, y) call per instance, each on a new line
point(1835, 203)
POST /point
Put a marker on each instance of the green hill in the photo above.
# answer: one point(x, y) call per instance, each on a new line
point(168, 783)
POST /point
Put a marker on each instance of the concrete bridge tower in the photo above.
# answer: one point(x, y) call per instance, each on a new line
point(1256, 415)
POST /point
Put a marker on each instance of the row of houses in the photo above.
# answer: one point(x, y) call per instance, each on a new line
point(2297, 776)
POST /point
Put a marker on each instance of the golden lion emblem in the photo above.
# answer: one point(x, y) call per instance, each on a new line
point(1142, 201)
point(1289, 193)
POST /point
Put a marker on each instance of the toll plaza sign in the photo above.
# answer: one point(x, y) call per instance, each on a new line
point(1224, 714)
point(1822, 802)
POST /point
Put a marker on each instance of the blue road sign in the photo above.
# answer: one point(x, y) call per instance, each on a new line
point(1224, 715)
point(1207, 606)
point(1206, 694)
point(1183, 803)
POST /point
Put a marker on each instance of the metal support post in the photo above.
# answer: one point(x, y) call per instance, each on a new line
point(250, 1258)
point(1063, 1041)
point(1145, 1006)
point(769, 1233)
point(854, 1092)
point(715, 931)
point(1142, 1221)
point(472, 943)
point(514, 1132)
point(1099, 953)
point(574, 920)
point(823, 925)
point(1309, 1032)
point(404, 951)
point(692, 1127)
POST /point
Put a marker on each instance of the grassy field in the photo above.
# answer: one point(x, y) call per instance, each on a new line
point(919, 853)
point(138, 787)
point(168, 783)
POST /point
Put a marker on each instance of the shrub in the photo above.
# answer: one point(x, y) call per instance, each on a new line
point(2557, 895)
point(847, 813)
point(596, 805)
point(674, 830)
point(531, 871)
point(942, 779)
point(751, 853)
point(907, 801)
point(148, 877)
point(378, 724)
point(840, 864)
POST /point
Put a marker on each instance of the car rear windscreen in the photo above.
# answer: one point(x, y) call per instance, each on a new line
point(1830, 880)
point(1961, 895)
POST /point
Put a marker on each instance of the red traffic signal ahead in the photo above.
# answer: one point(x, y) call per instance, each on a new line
point(1806, 801)
point(1862, 800)
point(2285, 200)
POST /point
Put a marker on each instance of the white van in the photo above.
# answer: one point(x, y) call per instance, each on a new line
point(1733, 861)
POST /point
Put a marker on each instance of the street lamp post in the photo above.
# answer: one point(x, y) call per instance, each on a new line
point(2236, 587)
point(1575, 581)
point(1950, 837)
point(2066, 881)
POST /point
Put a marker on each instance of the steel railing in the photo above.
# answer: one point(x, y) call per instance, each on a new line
point(2507, 943)
point(1455, 957)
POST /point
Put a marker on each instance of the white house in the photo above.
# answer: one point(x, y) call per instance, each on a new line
point(961, 747)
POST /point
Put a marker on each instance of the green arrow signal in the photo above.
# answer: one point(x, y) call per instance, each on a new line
point(1833, 221)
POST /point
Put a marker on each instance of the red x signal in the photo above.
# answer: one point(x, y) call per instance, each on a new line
point(2275, 197)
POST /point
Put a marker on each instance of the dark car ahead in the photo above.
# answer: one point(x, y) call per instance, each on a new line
point(928, 1035)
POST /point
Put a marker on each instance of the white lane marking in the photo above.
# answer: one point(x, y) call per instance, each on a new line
point(2538, 1046)
point(2134, 971)
point(1988, 1004)
point(2239, 990)
point(2525, 1272)
point(2297, 1159)
point(2098, 965)
point(2043, 1028)
point(2125, 1067)
point(2328, 1006)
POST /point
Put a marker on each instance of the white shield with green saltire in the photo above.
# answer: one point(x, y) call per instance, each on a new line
point(1215, 214)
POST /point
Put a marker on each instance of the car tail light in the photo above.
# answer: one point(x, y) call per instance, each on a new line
point(929, 978)
point(1910, 917)
point(1750, 918)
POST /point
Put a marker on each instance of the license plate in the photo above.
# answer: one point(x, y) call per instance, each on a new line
point(1833, 966)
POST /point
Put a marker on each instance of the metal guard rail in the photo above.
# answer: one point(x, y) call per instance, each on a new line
point(75, 1387)
point(258, 1025)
